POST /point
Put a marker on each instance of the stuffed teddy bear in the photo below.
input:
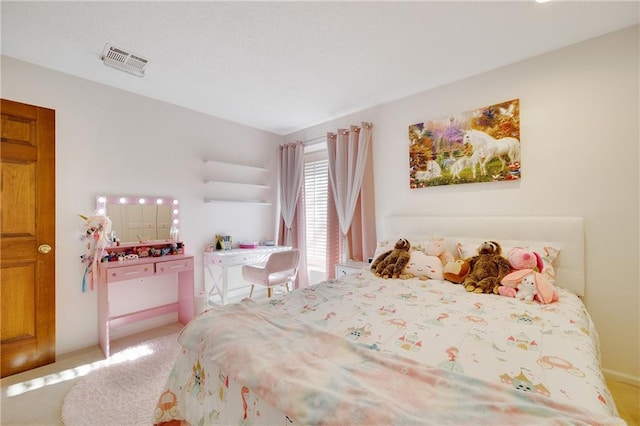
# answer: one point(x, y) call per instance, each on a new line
point(423, 266)
point(520, 258)
point(437, 247)
point(488, 268)
point(456, 271)
point(390, 264)
point(527, 284)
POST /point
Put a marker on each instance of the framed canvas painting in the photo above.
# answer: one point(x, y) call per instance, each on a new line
point(482, 145)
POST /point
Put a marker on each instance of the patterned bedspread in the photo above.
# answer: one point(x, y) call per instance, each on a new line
point(363, 350)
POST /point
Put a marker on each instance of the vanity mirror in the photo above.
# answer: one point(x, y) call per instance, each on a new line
point(137, 218)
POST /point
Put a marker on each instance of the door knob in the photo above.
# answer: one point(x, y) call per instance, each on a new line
point(44, 248)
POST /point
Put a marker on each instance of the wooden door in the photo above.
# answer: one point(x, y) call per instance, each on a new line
point(27, 246)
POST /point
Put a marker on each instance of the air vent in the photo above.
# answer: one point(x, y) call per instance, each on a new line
point(124, 61)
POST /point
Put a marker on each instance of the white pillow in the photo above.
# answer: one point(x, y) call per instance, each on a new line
point(386, 245)
point(383, 247)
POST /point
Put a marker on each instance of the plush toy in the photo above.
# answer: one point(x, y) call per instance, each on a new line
point(520, 258)
point(488, 268)
point(437, 247)
point(527, 284)
point(98, 228)
point(423, 266)
point(527, 288)
point(390, 264)
point(456, 271)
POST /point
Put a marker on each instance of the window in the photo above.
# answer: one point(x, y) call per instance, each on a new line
point(316, 181)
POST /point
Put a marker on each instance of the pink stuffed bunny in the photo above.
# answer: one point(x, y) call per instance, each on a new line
point(527, 284)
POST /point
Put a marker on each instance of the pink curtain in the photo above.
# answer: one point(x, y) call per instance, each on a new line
point(291, 176)
point(362, 234)
point(292, 225)
point(334, 254)
point(351, 206)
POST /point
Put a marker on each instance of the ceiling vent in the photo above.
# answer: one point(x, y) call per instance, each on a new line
point(124, 61)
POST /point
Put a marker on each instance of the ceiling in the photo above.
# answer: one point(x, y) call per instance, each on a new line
point(285, 66)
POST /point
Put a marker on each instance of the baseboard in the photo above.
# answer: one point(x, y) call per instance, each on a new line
point(616, 376)
point(143, 325)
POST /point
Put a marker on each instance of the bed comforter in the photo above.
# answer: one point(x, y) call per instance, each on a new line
point(363, 350)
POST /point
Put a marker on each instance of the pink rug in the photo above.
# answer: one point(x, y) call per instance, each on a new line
point(123, 391)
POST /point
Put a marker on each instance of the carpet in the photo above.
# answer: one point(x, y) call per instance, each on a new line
point(124, 390)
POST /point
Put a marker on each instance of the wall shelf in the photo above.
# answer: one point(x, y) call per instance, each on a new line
point(226, 163)
point(235, 183)
point(219, 201)
point(229, 182)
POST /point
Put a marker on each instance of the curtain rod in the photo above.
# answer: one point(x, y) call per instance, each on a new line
point(319, 139)
point(314, 141)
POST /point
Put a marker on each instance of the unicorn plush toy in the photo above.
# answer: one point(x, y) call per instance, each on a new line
point(96, 237)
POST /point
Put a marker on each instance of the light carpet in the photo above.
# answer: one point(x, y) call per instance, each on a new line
point(125, 390)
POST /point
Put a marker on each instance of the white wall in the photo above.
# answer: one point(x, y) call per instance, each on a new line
point(579, 111)
point(112, 142)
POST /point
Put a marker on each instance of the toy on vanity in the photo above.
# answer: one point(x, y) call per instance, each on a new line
point(137, 251)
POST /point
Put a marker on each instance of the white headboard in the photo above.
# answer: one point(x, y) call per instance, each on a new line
point(565, 233)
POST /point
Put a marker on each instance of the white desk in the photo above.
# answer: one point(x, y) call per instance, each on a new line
point(217, 262)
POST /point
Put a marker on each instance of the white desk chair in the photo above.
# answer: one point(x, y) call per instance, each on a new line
point(281, 268)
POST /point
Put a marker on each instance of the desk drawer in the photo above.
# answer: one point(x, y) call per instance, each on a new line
point(129, 272)
point(174, 266)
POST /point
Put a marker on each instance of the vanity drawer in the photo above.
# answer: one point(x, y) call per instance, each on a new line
point(129, 272)
point(174, 266)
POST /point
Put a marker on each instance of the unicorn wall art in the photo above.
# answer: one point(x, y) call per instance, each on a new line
point(482, 145)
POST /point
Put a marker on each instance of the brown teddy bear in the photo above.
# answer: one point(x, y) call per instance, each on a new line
point(390, 264)
point(488, 268)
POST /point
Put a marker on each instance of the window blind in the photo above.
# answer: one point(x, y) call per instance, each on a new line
point(316, 181)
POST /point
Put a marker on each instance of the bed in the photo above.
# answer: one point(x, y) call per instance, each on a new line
point(366, 350)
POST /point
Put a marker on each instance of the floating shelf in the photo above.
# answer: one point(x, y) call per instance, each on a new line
point(233, 179)
point(218, 201)
point(226, 163)
point(253, 185)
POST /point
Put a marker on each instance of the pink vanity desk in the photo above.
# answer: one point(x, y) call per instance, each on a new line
point(110, 272)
